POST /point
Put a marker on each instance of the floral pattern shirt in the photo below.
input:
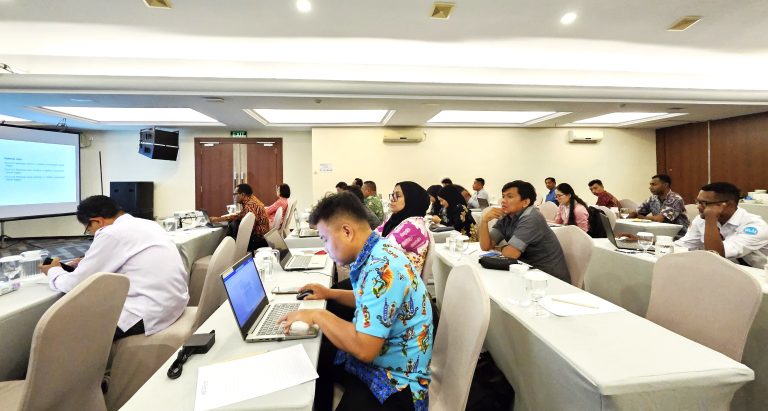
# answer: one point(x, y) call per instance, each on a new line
point(391, 302)
point(607, 199)
point(412, 237)
point(254, 205)
point(672, 208)
point(374, 204)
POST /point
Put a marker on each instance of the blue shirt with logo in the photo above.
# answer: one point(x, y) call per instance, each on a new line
point(391, 302)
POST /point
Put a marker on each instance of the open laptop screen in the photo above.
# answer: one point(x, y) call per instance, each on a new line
point(245, 291)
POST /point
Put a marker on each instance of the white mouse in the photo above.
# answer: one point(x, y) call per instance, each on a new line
point(299, 327)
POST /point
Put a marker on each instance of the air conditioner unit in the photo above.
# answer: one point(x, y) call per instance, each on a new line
point(584, 136)
point(404, 135)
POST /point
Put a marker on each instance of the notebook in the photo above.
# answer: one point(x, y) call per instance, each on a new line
point(308, 232)
point(291, 262)
point(255, 316)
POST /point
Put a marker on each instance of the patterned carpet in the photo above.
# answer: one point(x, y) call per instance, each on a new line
point(64, 248)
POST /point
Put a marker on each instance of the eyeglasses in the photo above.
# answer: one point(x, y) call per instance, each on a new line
point(560, 195)
point(85, 232)
point(706, 203)
point(394, 196)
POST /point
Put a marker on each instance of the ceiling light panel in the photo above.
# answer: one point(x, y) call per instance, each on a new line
point(313, 117)
point(492, 117)
point(624, 118)
point(134, 115)
point(12, 119)
point(568, 18)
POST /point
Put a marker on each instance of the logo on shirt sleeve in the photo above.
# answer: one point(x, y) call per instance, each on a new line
point(750, 230)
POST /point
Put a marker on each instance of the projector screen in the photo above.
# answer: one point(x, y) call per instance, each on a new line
point(39, 173)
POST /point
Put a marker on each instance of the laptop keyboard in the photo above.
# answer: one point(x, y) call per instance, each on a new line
point(300, 261)
point(270, 326)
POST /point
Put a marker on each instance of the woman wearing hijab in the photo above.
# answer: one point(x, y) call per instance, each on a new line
point(455, 211)
point(405, 227)
point(572, 209)
point(435, 207)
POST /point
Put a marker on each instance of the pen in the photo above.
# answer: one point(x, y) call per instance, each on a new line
point(574, 303)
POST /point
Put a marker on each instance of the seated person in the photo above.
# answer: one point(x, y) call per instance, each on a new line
point(138, 249)
point(358, 182)
point(455, 211)
point(406, 228)
point(372, 200)
point(604, 198)
point(723, 227)
point(550, 183)
point(435, 209)
point(373, 221)
point(446, 182)
point(250, 203)
point(521, 225)
point(480, 192)
point(664, 205)
point(572, 209)
point(283, 194)
point(341, 186)
point(382, 357)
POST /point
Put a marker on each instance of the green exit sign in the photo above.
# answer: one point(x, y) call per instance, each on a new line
point(238, 133)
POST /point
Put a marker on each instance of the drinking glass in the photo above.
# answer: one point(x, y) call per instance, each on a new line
point(169, 224)
point(231, 208)
point(645, 240)
point(450, 242)
point(664, 245)
point(536, 287)
point(624, 212)
point(517, 284)
point(462, 244)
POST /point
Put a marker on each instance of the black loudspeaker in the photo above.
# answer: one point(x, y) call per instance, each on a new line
point(159, 144)
point(136, 198)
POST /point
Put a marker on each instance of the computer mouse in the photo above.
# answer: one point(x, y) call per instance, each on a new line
point(303, 294)
point(299, 327)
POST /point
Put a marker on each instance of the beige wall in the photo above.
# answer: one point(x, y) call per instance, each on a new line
point(624, 160)
point(174, 180)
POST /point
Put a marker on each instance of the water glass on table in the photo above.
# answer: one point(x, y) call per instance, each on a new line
point(517, 287)
point(645, 240)
point(10, 273)
point(624, 212)
point(536, 287)
point(664, 245)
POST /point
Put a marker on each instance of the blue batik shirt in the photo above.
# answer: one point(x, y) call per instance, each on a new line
point(391, 302)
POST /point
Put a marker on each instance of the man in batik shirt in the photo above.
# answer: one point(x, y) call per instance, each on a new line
point(383, 356)
point(664, 206)
point(372, 200)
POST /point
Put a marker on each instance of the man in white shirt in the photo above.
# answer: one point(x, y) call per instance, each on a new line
point(724, 228)
point(479, 193)
point(137, 248)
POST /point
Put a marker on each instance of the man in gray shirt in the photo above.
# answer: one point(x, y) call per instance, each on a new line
point(525, 230)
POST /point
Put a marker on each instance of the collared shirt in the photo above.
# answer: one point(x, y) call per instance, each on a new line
point(473, 203)
point(373, 203)
point(551, 196)
point(529, 232)
point(672, 208)
point(391, 302)
point(581, 213)
point(254, 205)
point(607, 199)
point(411, 236)
point(278, 204)
point(745, 236)
point(142, 251)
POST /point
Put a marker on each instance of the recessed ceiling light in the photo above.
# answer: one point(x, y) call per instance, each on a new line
point(442, 11)
point(568, 18)
point(304, 6)
point(684, 23)
point(280, 117)
point(159, 4)
point(134, 115)
point(12, 119)
point(449, 117)
point(624, 118)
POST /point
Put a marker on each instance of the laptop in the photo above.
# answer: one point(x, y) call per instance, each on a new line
point(483, 203)
point(308, 232)
point(208, 222)
point(291, 262)
point(621, 245)
point(255, 316)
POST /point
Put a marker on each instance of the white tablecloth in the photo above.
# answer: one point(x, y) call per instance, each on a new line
point(294, 241)
point(754, 208)
point(612, 361)
point(196, 243)
point(634, 227)
point(625, 280)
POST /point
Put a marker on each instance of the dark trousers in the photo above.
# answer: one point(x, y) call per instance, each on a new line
point(137, 329)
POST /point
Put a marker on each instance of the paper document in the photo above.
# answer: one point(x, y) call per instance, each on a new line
point(239, 380)
point(567, 305)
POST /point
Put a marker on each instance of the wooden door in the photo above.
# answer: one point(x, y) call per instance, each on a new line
point(264, 168)
point(214, 173)
point(681, 153)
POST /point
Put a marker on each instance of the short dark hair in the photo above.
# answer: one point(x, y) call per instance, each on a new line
point(524, 188)
point(446, 181)
point(549, 178)
point(481, 181)
point(359, 182)
point(357, 191)
point(244, 189)
point(285, 190)
point(724, 189)
point(97, 206)
point(663, 178)
point(334, 205)
point(371, 185)
point(342, 185)
point(595, 181)
point(460, 188)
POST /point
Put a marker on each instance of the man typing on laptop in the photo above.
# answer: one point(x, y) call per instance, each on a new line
point(382, 357)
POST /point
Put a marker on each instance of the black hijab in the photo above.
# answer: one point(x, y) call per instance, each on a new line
point(416, 203)
point(456, 206)
point(436, 206)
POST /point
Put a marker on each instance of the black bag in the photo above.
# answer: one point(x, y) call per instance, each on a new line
point(496, 262)
point(596, 229)
point(490, 390)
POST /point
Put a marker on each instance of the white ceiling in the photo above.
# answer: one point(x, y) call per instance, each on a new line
point(617, 56)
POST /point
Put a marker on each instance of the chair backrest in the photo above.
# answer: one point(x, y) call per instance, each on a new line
point(464, 320)
point(692, 210)
point(577, 248)
point(706, 298)
point(213, 294)
point(429, 261)
point(244, 234)
point(630, 204)
point(286, 228)
point(277, 221)
point(549, 210)
point(70, 346)
point(610, 214)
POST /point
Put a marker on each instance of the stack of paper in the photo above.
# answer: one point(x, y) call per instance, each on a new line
point(567, 305)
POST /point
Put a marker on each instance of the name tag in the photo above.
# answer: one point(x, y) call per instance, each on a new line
point(750, 231)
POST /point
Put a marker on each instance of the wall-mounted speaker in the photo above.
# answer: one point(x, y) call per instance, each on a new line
point(159, 144)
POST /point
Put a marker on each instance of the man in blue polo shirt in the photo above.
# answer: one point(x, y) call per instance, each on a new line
point(382, 356)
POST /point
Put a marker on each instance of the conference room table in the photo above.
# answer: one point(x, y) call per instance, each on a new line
point(756, 208)
point(196, 243)
point(162, 393)
point(625, 280)
point(634, 226)
point(609, 361)
point(294, 241)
